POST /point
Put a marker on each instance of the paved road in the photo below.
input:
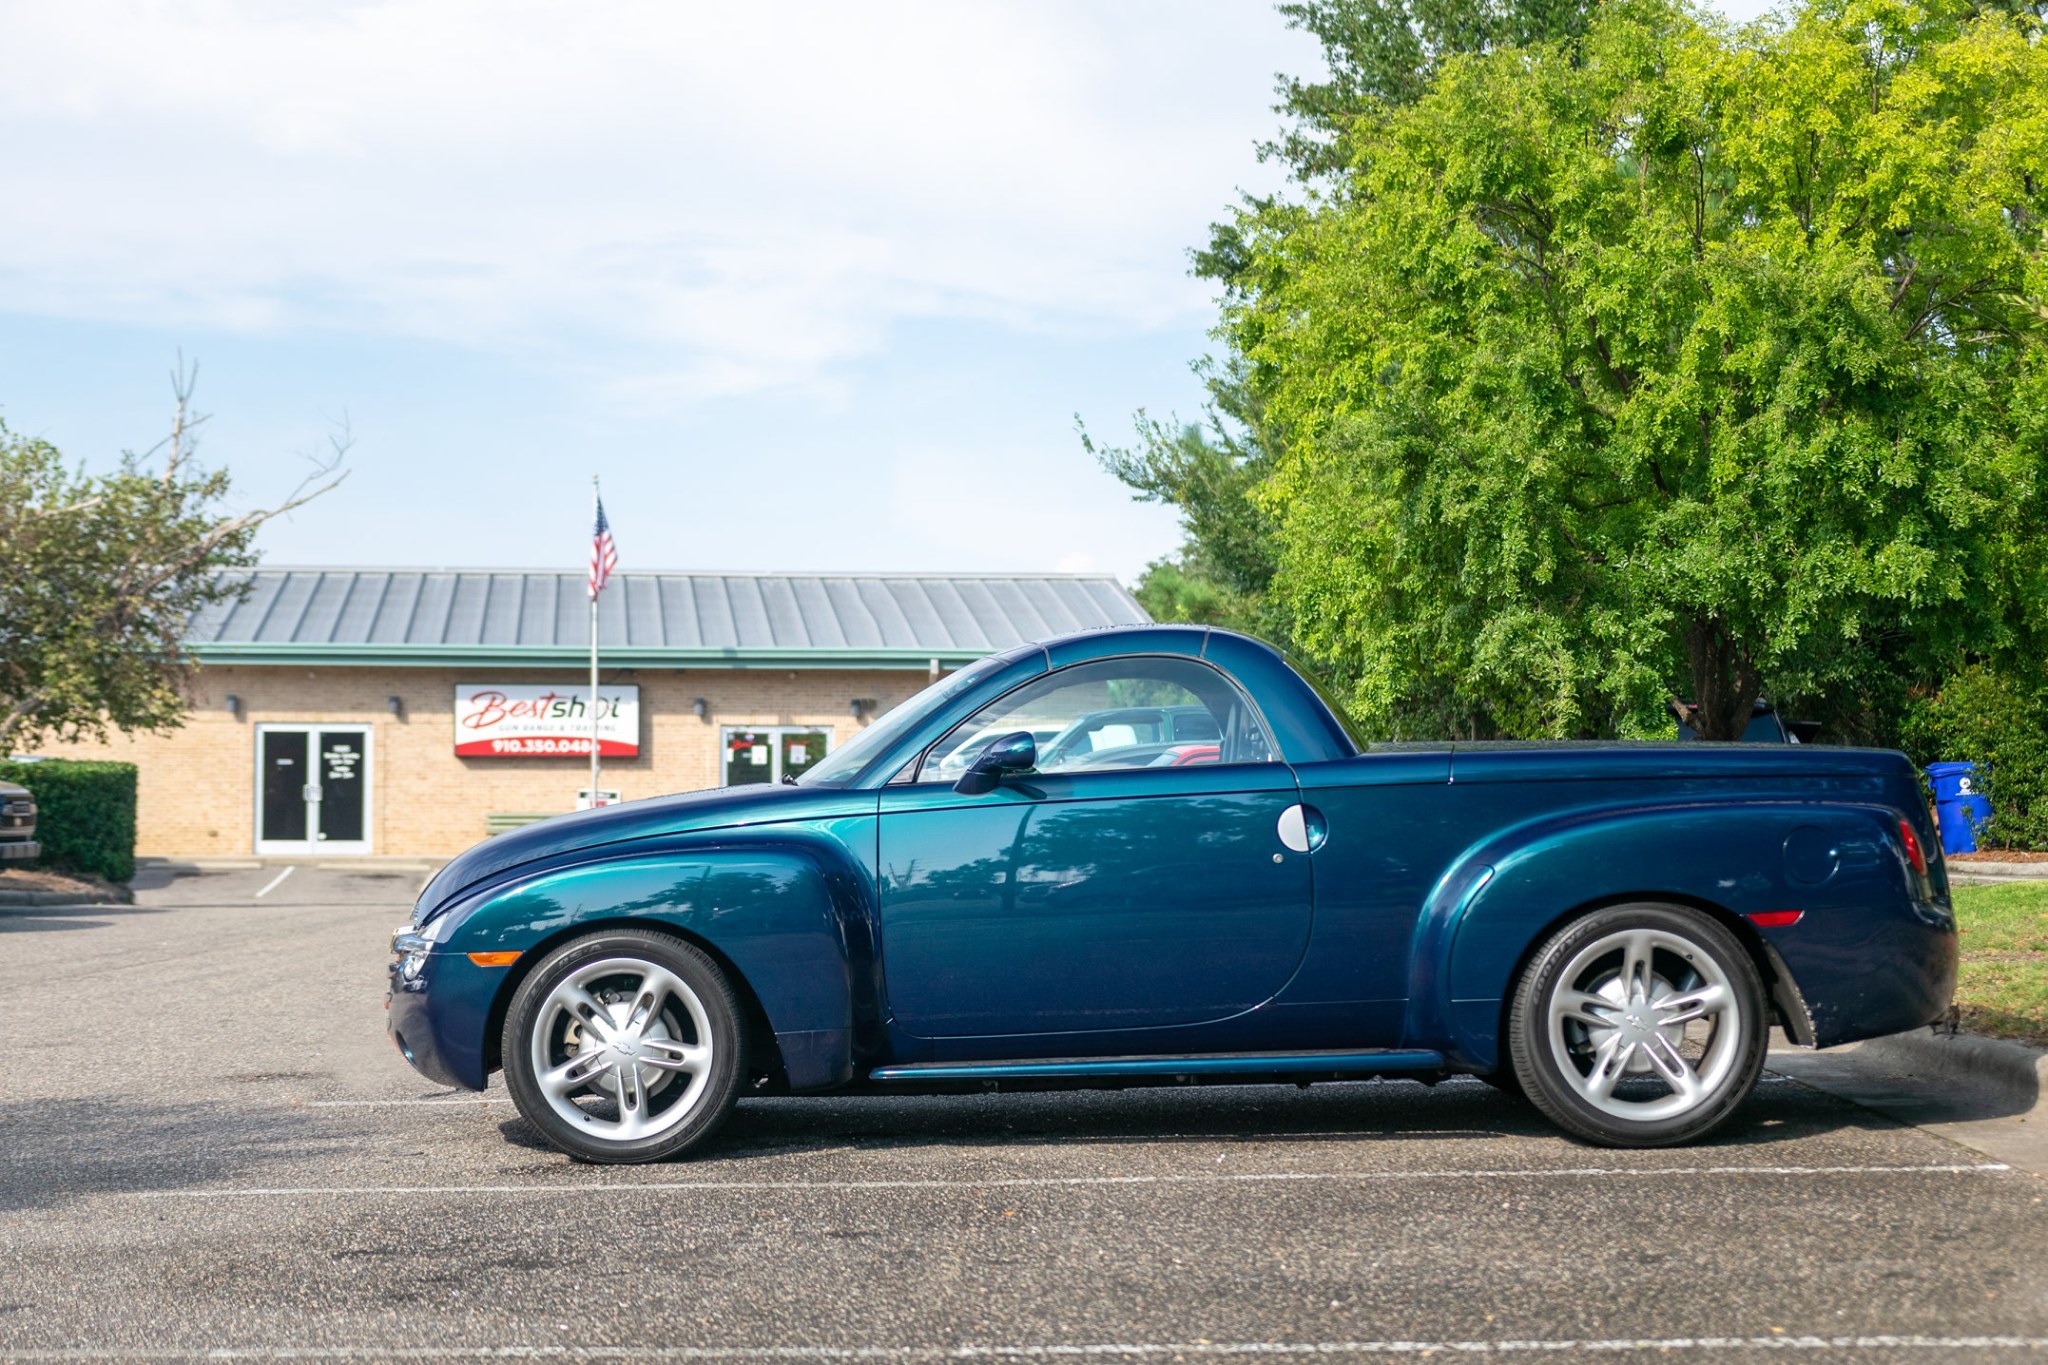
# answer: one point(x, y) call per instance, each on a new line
point(206, 1143)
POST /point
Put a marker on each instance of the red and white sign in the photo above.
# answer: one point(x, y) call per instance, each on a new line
point(497, 720)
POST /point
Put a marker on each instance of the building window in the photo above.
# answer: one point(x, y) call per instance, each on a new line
point(771, 753)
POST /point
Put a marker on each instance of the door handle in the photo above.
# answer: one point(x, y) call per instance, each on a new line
point(1302, 828)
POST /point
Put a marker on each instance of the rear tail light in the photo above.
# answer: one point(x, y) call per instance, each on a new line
point(1914, 854)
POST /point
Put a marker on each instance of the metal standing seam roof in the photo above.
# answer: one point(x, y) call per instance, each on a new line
point(524, 617)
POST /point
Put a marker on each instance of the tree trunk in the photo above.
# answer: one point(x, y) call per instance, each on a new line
point(1725, 684)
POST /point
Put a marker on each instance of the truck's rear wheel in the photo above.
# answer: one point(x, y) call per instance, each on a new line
point(624, 1046)
point(1639, 1026)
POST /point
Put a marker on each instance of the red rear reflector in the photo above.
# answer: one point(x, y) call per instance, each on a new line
point(1914, 855)
point(1775, 919)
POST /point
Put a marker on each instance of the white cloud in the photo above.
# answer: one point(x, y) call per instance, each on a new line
point(688, 199)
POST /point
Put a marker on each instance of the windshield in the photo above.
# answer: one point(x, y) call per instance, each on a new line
point(841, 765)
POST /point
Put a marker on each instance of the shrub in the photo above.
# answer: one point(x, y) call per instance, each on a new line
point(1993, 718)
point(85, 817)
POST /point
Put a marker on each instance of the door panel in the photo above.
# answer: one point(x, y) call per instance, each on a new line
point(1097, 901)
point(1392, 829)
point(343, 778)
point(286, 775)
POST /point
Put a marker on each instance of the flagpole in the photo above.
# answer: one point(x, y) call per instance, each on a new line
point(595, 503)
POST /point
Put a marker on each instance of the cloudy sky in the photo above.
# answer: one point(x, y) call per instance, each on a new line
point(812, 286)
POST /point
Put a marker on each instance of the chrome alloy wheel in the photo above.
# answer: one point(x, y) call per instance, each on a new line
point(1645, 1024)
point(622, 1049)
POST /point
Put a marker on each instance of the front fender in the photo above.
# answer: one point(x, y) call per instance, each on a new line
point(1501, 899)
point(787, 907)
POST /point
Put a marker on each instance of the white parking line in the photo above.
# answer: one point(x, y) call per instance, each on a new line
point(276, 881)
point(1021, 1182)
point(1083, 1350)
point(378, 1104)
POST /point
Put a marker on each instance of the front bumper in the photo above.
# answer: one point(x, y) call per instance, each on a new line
point(440, 1013)
point(11, 849)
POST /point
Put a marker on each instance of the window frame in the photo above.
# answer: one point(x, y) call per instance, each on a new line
point(915, 768)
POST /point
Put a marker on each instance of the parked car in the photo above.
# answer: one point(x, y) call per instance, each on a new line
point(17, 824)
point(1765, 726)
point(1610, 928)
point(1102, 733)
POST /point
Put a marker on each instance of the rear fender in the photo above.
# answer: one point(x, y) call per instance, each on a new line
point(1497, 903)
point(787, 908)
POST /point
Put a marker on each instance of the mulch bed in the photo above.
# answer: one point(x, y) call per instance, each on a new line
point(2000, 855)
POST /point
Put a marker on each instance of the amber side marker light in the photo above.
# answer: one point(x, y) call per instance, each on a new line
point(1914, 853)
point(1769, 919)
point(494, 959)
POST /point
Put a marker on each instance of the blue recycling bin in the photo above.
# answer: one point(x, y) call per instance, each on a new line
point(1958, 805)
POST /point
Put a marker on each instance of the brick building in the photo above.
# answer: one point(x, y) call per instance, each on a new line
point(410, 712)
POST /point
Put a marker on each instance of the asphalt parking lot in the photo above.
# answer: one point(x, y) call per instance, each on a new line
point(207, 1146)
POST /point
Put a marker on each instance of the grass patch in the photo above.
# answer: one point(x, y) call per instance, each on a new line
point(2002, 987)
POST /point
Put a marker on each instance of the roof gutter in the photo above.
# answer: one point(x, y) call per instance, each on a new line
point(290, 654)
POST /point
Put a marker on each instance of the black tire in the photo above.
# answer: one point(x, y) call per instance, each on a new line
point(1683, 953)
point(621, 1113)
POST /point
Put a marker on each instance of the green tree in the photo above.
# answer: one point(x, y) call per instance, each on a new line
point(99, 574)
point(1375, 53)
point(1387, 52)
point(1672, 357)
point(1210, 472)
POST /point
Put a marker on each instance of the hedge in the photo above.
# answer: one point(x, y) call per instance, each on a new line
point(85, 814)
point(1994, 718)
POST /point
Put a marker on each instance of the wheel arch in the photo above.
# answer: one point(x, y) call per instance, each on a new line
point(784, 918)
point(764, 1065)
point(1496, 906)
point(1787, 1005)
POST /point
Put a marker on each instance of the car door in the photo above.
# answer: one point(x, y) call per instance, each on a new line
point(1123, 892)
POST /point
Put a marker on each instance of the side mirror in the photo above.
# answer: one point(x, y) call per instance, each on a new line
point(1011, 754)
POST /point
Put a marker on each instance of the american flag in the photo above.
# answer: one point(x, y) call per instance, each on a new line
point(604, 554)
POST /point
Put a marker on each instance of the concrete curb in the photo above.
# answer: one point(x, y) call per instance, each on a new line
point(1985, 1093)
point(30, 899)
point(2017, 1071)
point(1986, 872)
point(368, 863)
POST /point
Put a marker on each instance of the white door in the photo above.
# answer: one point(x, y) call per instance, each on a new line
point(312, 789)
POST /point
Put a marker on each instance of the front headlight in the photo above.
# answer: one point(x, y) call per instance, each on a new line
point(411, 949)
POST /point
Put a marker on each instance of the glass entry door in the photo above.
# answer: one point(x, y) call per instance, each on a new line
point(771, 753)
point(312, 789)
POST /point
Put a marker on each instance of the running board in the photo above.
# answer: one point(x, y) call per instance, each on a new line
point(1363, 1061)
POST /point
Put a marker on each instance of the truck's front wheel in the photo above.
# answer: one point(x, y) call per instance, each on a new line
point(1639, 1026)
point(624, 1046)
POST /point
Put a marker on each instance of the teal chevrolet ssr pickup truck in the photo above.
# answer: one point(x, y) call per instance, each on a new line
point(1611, 929)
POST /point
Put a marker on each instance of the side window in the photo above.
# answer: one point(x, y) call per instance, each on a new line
point(1115, 713)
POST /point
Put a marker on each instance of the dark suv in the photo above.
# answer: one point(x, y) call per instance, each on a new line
point(17, 824)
